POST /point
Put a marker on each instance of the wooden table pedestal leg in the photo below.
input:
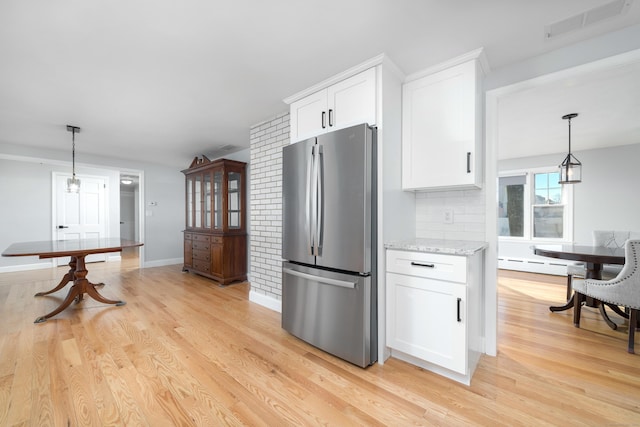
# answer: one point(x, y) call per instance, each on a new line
point(80, 286)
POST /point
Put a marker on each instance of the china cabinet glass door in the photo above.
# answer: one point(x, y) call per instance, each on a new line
point(197, 205)
point(217, 200)
point(234, 195)
point(207, 200)
point(189, 202)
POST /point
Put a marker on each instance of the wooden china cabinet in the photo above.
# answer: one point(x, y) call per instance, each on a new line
point(215, 238)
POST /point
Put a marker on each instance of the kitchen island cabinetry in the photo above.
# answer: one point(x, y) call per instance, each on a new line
point(215, 238)
point(348, 102)
point(434, 310)
point(442, 126)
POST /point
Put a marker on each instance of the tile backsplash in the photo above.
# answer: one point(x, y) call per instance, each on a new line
point(452, 215)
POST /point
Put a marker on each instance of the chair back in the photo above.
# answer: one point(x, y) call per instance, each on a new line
point(627, 291)
point(613, 239)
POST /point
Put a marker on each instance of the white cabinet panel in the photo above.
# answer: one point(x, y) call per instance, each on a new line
point(353, 101)
point(441, 123)
point(308, 116)
point(429, 320)
point(434, 310)
point(349, 102)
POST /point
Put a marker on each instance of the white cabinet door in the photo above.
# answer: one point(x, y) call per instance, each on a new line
point(440, 129)
point(349, 102)
point(352, 101)
point(308, 116)
point(427, 318)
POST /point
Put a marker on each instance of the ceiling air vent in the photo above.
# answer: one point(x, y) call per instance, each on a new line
point(585, 19)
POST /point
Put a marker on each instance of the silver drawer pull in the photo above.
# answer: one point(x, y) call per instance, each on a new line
point(419, 264)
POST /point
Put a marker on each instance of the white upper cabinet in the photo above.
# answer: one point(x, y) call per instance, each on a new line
point(441, 128)
point(343, 104)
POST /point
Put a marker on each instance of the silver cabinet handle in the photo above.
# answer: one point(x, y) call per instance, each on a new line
point(325, 280)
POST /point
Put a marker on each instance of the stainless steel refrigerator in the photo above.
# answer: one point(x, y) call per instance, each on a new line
point(329, 287)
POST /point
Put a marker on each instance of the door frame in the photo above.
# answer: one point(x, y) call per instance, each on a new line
point(492, 124)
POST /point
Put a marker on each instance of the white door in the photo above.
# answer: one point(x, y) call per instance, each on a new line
point(309, 116)
point(80, 215)
point(352, 101)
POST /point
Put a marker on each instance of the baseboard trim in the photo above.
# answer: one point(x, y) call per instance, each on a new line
point(162, 262)
point(26, 267)
point(265, 301)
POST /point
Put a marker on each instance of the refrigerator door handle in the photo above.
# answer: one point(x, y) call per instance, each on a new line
point(308, 203)
point(320, 206)
point(314, 200)
point(325, 280)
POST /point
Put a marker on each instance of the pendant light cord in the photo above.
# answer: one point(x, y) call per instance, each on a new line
point(73, 152)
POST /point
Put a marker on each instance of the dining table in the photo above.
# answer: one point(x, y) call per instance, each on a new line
point(594, 258)
point(77, 250)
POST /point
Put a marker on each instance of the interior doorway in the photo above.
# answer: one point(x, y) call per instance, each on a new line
point(130, 215)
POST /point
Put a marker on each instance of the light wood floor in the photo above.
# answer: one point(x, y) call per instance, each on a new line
point(184, 351)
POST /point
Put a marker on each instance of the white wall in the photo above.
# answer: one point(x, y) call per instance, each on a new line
point(163, 223)
point(606, 199)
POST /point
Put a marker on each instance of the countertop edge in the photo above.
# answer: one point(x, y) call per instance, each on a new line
point(447, 247)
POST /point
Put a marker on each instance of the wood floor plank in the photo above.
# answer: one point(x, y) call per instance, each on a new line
point(185, 351)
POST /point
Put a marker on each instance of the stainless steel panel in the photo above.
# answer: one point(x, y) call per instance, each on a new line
point(335, 312)
point(297, 202)
point(347, 172)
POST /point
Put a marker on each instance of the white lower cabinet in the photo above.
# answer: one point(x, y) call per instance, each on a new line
point(433, 311)
point(429, 321)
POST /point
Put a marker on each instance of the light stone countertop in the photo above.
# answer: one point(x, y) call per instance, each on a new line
point(441, 246)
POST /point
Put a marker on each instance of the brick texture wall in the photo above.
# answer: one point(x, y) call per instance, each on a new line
point(266, 142)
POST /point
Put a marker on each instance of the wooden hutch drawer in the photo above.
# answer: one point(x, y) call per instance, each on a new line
point(188, 236)
point(216, 239)
point(201, 238)
point(202, 255)
point(203, 266)
point(200, 246)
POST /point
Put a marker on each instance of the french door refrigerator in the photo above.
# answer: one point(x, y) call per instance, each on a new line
point(329, 287)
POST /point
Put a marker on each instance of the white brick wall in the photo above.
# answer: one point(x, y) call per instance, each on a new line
point(468, 208)
point(266, 140)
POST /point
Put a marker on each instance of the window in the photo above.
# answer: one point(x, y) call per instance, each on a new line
point(548, 209)
point(511, 206)
point(532, 205)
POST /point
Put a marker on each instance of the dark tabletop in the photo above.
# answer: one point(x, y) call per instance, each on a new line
point(58, 248)
point(593, 254)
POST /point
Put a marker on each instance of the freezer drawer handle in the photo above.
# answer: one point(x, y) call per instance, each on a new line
point(459, 301)
point(335, 282)
point(468, 161)
point(419, 264)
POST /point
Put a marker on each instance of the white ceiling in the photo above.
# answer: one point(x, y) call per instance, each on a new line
point(605, 96)
point(165, 80)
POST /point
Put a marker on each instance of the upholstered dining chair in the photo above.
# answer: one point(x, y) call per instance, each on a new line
point(608, 239)
point(623, 290)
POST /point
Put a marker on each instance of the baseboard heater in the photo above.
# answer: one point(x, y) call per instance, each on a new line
point(532, 266)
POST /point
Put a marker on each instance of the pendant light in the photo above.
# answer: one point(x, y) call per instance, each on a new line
point(571, 168)
point(73, 183)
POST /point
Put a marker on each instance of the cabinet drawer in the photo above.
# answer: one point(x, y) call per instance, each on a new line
point(202, 255)
point(451, 268)
point(201, 238)
point(200, 246)
point(216, 239)
point(203, 266)
point(188, 236)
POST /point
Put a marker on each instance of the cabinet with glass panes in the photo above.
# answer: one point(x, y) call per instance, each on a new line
point(215, 237)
